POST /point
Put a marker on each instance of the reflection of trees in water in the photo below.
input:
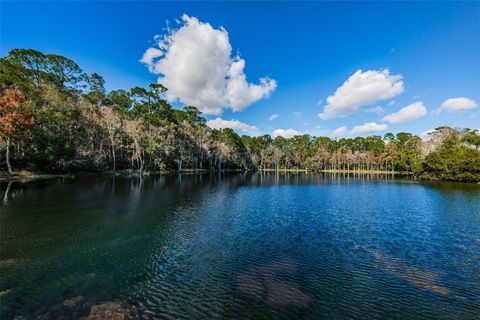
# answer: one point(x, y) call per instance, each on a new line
point(7, 191)
point(265, 285)
point(13, 189)
point(135, 195)
point(303, 179)
point(451, 188)
point(184, 184)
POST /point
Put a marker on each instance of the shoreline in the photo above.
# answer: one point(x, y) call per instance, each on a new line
point(27, 176)
point(398, 173)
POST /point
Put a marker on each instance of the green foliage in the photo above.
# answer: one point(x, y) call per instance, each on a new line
point(96, 93)
point(13, 75)
point(453, 161)
point(80, 126)
point(472, 137)
point(120, 100)
point(44, 69)
point(191, 115)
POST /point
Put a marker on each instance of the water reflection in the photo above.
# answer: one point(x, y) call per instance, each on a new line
point(249, 245)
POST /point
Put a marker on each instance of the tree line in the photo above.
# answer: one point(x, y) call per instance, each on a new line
point(56, 118)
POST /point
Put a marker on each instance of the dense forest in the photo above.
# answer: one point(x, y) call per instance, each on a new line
point(54, 118)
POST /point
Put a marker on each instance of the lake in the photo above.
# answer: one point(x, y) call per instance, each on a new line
point(240, 246)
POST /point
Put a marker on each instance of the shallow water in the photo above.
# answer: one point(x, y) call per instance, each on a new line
point(248, 246)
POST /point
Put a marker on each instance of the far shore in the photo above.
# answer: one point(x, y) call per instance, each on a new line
point(28, 175)
point(338, 171)
point(369, 172)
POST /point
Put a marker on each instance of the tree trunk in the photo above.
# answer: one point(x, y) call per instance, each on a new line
point(9, 166)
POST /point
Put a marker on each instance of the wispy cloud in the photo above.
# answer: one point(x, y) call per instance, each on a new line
point(377, 110)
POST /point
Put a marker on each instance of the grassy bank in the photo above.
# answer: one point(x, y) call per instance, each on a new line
point(28, 175)
point(339, 171)
point(283, 170)
point(369, 172)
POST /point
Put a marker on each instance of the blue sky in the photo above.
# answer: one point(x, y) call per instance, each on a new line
point(411, 54)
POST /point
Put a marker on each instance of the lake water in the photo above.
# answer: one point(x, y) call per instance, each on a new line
point(244, 246)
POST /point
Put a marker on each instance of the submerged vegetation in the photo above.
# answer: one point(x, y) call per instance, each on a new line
point(55, 118)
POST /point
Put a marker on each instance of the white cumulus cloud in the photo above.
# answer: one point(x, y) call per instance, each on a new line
point(411, 112)
point(360, 89)
point(273, 117)
point(457, 104)
point(195, 63)
point(286, 133)
point(369, 127)
point(236, 125)
point(339, 132)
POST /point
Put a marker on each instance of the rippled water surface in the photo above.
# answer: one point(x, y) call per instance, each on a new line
point(240, 247)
